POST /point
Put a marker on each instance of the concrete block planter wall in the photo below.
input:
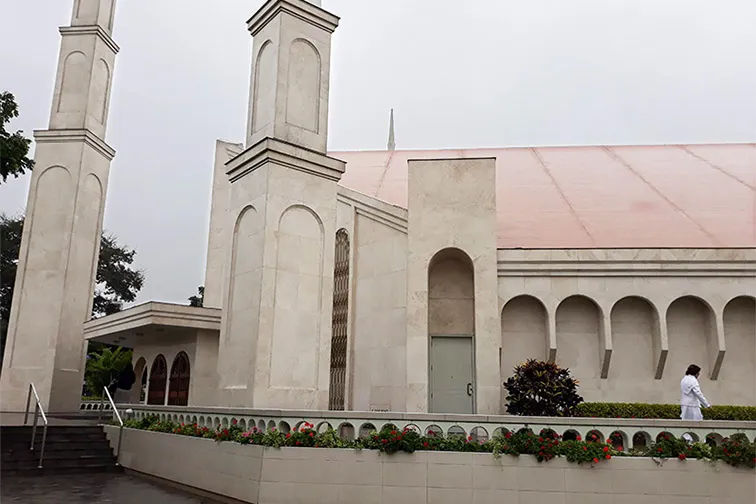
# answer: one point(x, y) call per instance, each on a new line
point(316, 475)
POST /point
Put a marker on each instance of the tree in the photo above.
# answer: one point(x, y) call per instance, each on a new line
point(117, 282)
point(540, 388)
point(14, 147)
point(199, 299)
point(104, 367)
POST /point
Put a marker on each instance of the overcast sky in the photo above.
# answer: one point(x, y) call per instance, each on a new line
point(462, 73)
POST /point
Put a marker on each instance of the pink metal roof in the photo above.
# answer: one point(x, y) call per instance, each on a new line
point(687, 196)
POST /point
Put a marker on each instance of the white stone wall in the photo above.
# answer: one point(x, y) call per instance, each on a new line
point(303, 475)
point(628, 325)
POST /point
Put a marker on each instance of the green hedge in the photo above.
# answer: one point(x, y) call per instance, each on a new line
point(664, 411)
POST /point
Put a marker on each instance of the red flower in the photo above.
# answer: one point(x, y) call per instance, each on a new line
point(606, 449)
point(385, 441)
point(312, 434)
point(393, 433)
point(508, 435)
point(608, 456)
point(682, 456)
point(233, 422)
point(288, 435)
point(425, 444)
point(579, 438)
point(595, 460)
point(469, 438)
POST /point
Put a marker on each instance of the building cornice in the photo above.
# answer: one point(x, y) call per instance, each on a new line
point(154, 314)
point(379, 211)
point(270, 150)
point(91, 30)
point(75, 135)
point(300, 9)
point(663, 262)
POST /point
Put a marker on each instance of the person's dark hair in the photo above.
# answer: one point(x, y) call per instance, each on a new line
point(693, 370)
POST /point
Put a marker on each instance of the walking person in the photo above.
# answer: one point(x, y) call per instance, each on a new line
point(692, 398)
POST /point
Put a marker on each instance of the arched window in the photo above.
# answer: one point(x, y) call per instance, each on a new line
point(178, 390)
point(340, 319)
point(158, 377)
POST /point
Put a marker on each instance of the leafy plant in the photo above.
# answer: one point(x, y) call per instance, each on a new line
point(663, 411)
point(540, 388)
point(103, 368)
point(14, 147)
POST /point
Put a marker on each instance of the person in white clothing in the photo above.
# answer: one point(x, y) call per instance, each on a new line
point(692, 398)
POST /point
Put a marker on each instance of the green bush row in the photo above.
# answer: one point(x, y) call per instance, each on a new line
point(663, 411)
point(546, 445)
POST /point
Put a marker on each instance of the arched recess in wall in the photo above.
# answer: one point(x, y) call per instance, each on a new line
point(451, 330)
point(178, 388)
point(73, 97)
point(48, 227)
point(298, 299)
point(578, 333)
point(100, 90)
point(738, 376)
point(635, 327)
point(339, 323)
point(137, 390)
point(523, 333)
point(303, 93)
point(263, 88)
point(242, 317)
point(158, 378)
point(690, 324)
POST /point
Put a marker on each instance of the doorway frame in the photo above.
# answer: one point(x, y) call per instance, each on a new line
point(471, 337)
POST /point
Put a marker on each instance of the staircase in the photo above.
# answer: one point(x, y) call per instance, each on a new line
point(69, 449)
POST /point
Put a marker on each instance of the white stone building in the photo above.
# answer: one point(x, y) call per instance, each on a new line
point(406, 280)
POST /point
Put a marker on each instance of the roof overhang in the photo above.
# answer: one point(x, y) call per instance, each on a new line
point(150, 320)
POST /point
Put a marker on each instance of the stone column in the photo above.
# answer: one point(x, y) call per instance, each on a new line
point(61, 239)
point(275, 338)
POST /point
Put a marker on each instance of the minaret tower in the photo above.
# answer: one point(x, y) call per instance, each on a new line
point(61, 239)
point(392, 136)
point(275, 338)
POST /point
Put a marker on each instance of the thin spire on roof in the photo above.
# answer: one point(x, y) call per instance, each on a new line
point(391, 140)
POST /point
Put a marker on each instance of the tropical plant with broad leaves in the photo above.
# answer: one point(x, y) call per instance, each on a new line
point(104, 367)
point(540, 388)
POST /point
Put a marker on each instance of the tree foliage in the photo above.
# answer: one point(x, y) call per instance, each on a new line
point(14, 147)
point(540, 388)
point(104, 367)
point(117, 281)
point(199, 299)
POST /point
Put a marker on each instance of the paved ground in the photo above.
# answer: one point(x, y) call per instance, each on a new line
point(90, 489)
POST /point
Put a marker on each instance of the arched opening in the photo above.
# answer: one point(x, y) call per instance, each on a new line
point(635, 325)
point(738, 376)
point(690, 325)
point(578, 320)
point(339, 323)
point(137, 392)
point(178, 390)
point(158, 378)
point(523, 335)
point(451, 331)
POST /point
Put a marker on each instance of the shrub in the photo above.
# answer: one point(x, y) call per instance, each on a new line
point(663, 411)
point(540, 388)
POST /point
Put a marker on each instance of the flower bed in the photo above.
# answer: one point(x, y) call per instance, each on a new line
point(661, 411)
point(546, 445)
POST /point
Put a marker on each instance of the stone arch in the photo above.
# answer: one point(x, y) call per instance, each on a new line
point(524, 334)
point(303, 82)
point(578, 336)
point(242, 315)
point(158, 381)
point(140, 372)
point(264, 88)
point(73, 96)
point(178, 388)
point(451, 331)
point(298, 299)
point(635, 329)
point(641, 439)
point(339, 322)
point(690, 326)
point(737, 378)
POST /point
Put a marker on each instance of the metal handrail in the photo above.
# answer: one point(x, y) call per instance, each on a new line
point(118, 417)
point(38, 410)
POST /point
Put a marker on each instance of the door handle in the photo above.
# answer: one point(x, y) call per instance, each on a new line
point(469, 389)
